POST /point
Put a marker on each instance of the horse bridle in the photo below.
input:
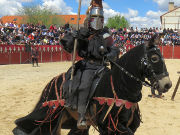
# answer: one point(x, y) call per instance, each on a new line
point(144, 63)
point(147, 67)
point(145, 83)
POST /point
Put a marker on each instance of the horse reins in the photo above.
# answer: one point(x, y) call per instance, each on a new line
point(145, 61)
point(145, 83)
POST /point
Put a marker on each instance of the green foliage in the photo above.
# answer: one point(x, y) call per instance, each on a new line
point(117, 22)
point(40, 15)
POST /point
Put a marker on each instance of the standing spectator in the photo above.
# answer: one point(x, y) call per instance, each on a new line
point(34, 55)
point(66, 26)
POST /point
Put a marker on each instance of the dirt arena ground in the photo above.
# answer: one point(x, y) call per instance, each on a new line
point(21, 86)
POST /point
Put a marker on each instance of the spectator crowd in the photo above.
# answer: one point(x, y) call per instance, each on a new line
point(138, 36)
point(11, 33)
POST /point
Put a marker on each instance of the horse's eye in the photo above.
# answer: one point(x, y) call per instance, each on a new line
point(155, 58)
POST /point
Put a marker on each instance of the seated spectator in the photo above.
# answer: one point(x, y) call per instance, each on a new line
point(45, 41)
point(31, 37)
point(51, 28)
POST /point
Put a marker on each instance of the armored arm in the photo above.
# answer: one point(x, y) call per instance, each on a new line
point(113, 54)
point(113, 51)
point(68, 40)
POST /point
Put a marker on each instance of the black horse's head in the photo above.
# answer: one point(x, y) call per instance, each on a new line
point(133, 68)
point(154, 67)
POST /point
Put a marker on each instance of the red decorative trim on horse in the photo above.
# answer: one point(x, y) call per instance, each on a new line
point(60, 102)
point(101, 100)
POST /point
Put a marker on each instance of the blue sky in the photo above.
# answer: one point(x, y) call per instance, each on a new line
point(140, 13)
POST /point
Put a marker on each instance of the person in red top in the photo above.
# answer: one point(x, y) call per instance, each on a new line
point(121, 37)
point(31, 37)
point(128, 42)
point(51, 27)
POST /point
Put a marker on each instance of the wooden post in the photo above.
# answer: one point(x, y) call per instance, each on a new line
point(176, 88)
point(61, 55)
point(41, 56)
point(20, 57)
point(51, 56)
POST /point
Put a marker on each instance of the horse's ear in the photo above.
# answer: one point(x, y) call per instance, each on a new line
point(155, 40)
point(146, 43)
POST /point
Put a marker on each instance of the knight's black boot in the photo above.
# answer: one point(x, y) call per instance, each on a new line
point(81, 123)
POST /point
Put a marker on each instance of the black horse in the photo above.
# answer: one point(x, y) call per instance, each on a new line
point(113, 109)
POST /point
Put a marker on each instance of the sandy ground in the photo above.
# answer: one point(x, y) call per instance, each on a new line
point(21, 86)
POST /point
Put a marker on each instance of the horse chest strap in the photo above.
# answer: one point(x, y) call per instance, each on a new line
point(112, 86)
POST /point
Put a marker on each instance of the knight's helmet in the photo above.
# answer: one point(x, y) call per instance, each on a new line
point(95, 17)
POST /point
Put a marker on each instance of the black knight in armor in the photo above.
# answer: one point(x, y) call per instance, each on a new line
point(95, 44)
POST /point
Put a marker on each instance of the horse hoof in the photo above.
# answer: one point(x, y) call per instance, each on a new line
point(160, 96)
point(152, 96)
point(17, 131)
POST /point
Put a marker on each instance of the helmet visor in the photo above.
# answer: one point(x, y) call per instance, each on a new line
point(97, 23)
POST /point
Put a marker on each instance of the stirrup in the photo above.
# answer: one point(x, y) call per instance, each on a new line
point(81, 124)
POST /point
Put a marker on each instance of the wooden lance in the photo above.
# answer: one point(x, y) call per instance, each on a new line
point(75, 46)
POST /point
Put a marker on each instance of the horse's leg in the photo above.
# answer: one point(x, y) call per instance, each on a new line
point(136, 120)
point(66, 114)
point(64, 117)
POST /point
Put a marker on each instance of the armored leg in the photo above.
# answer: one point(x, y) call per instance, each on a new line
point(84, 90)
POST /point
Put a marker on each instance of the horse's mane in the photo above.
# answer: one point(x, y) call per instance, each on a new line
point(132, 57)
point(128, 88)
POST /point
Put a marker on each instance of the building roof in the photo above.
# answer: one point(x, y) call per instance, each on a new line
point(17, 19)
point(71, 19)
point(168, 12)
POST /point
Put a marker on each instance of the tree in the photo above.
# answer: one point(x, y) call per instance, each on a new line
point(117, 22)
point(40, 15)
